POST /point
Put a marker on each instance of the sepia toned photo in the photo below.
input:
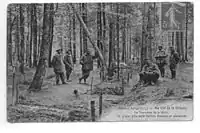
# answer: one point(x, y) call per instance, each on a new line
point(100, 62)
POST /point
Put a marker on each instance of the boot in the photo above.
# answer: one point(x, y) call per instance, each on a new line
point(173, 73)
point(163, 73)
point(64, 82)
point(57, 82)
point(79, 80)
point(62, 78)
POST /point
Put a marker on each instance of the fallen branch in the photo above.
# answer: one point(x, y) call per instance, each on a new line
point(88, 35)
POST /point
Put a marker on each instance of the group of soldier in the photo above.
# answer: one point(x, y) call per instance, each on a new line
point(150, 72)
point(59, 62)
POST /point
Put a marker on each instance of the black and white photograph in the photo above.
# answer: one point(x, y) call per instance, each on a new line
point(99, 62)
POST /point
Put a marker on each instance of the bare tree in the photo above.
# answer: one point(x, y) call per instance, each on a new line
point(74, 37)
point(34, 35)
point(99, 30)
point(44, 50)
point(51, 32)
point(31, 35)
point(117, 28)
point(9, 35)
point(21, 23)
point(84, 17)
point(111, 26)
point(81, 33)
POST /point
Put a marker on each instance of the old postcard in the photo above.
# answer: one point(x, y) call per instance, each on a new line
point(82, 62)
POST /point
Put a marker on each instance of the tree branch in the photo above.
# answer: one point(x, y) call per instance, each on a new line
point(88, 34)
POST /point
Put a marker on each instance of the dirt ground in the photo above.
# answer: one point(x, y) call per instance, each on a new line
point(60, 98)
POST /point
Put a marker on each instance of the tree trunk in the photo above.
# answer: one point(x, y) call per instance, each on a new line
point(143, 37)
point(84, 17)
point(34, 35)
point(39, 38)
point(17, 48)
point(70, 32)
point(124, 37)
point(103, 41)
point(51, 33)
point(99, 30)
point(186, 31)
point(117, 28)
point(172, 38)
point(104, 31)
point(81, 33)
point(154, 24)
point(44, 51)
point(28, 34)
point(130, 33)
point(127, 43)
point(177, 43)
point(74, 38)
point(31, 34)
point(149, 27)
point(9, 36)
point(21, 38)
point(182, 46)
point(110, 41)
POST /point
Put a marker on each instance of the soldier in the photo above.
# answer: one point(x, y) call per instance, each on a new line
point(68, 64)
point(149, 73)
point(160, 60)
point(57, 63)
point(87, 65)
point(173, 61)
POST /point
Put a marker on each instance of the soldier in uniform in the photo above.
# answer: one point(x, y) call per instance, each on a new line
point(173, 61)
point(87, 65)
point(57, 63)
point(68, 64)
point(160, 60)
point(149, 73)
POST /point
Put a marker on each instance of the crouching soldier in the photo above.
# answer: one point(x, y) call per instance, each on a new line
point(57, 63)
point(87, 65)
point(161, 60)
point(173, 61)
point(149, 74)
point(68, 64)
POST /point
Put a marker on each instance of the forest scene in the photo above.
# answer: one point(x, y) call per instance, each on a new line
point(70, 62)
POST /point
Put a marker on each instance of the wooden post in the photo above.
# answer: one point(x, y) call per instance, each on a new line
point(92, 103)
point(100, 104)
point(16, 94)
point(128, 78)
point(91, 86)
point(13, 89)
point(122, 86)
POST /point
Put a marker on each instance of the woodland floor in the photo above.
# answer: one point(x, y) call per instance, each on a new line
point(57, 103)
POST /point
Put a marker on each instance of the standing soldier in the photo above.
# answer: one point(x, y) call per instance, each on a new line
point(173, 61)
point(87, 65)
point(68, 64)
point(160, 60)
point(57, 64)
